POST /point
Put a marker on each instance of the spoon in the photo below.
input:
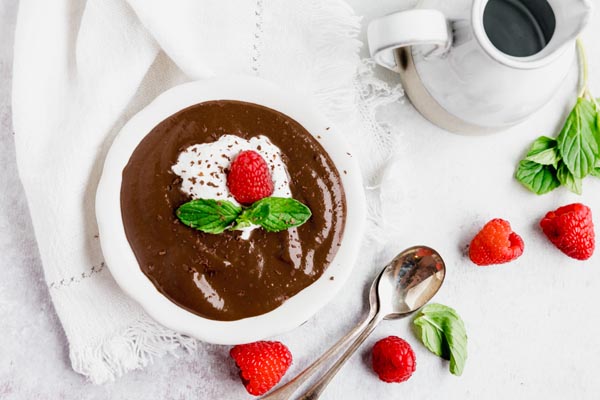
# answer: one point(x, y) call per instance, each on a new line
point(406, 284)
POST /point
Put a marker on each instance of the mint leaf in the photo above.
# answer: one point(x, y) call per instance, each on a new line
point(544, 151)
point(567, 179)
point(275, 214)
point(578, 141)
point(207, 215)
point(596, 171)
point(597, 133)
point(443, 332)
point(546, 157)
point(538, 178)
point(248, 216)
point(240, 224)
point(540, 144)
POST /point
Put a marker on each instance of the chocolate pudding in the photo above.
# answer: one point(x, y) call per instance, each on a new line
point(228, 276)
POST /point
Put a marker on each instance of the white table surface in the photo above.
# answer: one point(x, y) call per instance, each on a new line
point(533, 325)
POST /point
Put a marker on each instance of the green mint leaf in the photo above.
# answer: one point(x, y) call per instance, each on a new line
point(443, 332)
point(538, 178)
point(546, 157)
point(544, 151)
point(596, 171)
point(578, 142)
point(275, 214)
point(249, 215)
point(597, 133)
point(207, 215)
point(240, 223)
point(567, 179)
point(540, 144)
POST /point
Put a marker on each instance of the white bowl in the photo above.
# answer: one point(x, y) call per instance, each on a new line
point(123, 264)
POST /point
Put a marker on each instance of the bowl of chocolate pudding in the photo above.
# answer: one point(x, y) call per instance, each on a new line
point(230, 209)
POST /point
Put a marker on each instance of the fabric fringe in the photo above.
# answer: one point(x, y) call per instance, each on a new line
point(133, 348)
point(350, 93)
point(375, 94)
point(355, 95)
point(338, 25)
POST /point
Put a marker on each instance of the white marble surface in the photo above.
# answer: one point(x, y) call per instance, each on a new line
point(533, 325)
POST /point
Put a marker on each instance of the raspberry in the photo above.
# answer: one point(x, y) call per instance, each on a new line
point(393, 359)
point(496, 243)
point(249, 179)
point(571, 230)
point(262, 364)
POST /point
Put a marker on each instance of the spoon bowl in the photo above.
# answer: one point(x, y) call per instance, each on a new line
point(409, 281)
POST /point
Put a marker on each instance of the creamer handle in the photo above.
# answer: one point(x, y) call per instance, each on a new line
point(407, 28)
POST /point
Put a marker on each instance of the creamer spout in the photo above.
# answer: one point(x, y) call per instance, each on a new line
point(571, 16)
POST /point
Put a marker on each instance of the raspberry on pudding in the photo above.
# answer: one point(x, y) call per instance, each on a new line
point(249, 179)
point(239, 155)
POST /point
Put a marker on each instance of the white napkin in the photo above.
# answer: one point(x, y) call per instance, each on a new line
point(83, 68)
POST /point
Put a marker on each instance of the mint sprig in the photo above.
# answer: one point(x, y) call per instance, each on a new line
point(537, 177)
point(573, 155)
point(544, 151)
point(566, 178)
point(274, 214)
point(578, 141)
point(207, 215)
point(443, 332)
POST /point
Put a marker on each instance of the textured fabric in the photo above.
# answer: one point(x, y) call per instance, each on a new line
point(83, 68)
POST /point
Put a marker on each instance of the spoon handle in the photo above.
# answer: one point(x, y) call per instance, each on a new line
point(286, 391)
point(315, 391)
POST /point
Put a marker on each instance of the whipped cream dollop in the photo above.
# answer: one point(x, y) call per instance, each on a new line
point(203, 168)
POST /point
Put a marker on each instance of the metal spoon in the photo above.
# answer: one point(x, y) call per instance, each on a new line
point(406, 284)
